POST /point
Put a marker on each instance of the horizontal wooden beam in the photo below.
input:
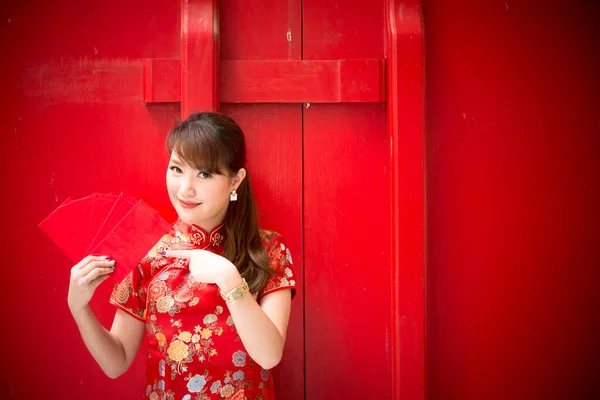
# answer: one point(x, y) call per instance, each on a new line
point(328, 81)
point(276, 81)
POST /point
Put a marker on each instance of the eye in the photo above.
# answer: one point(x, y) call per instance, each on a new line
point(175, 169)
point(204, 175)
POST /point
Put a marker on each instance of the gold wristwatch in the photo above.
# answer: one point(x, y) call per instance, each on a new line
point(236, 293)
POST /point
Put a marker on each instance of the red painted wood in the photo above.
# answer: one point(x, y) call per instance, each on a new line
point(162, 80)
point(261, 30)
point(199, 56)
point(251, 31)
point(327, 81)
point(274, 140)
point(407, 197)
point(346, 213)
point(78, 124)
point(276, 81)
point(75, 123)
point(346, 251)
point(343, 31)
point(513, 188)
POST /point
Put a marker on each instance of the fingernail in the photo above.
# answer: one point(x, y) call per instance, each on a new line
point(162, 252)
point(112, 263)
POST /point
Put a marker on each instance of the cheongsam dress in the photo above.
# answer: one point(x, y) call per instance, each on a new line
point(194, 351)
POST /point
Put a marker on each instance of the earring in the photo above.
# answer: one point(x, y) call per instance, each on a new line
point(233, 196)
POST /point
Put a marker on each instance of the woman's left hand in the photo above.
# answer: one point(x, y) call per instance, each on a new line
point(207, 267)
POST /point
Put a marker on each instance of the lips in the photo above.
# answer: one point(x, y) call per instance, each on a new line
point(187, 204)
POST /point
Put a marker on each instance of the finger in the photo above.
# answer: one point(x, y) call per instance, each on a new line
point(178, 253)
point(86, 260)
point(96, 264)
point(87, 279)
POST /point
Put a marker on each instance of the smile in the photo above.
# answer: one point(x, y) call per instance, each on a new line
point(187, 204)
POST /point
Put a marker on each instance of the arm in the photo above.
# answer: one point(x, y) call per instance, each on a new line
point(261, 326)
point(114, 351)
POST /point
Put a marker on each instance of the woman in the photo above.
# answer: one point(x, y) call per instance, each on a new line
point(213, 295)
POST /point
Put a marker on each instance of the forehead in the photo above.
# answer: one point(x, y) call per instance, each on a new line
point(177, 158)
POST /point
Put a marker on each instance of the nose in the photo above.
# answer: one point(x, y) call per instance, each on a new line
point(187, 190)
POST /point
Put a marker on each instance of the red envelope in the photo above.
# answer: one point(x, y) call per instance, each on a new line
point(132, 238)
point(69, 227)
point(101, 207)
point(118, 226)
point(120, 207)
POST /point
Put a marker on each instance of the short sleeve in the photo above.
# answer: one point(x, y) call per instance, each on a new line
point(280, 260)
point(130, 294)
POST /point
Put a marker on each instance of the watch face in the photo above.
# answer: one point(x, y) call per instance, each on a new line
point(237, 294)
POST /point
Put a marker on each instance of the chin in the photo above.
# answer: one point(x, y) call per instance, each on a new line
point(188, 218)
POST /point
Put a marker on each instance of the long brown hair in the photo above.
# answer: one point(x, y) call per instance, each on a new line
point(214, 143)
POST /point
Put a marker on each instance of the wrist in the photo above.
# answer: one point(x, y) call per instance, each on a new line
point(230, 280)
point(78, 310)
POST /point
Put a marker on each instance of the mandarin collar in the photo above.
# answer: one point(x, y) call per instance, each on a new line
point(198, 237)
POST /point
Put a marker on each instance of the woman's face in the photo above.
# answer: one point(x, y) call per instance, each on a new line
point(200, 198)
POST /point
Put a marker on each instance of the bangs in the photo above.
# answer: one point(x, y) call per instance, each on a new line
point(200, 148)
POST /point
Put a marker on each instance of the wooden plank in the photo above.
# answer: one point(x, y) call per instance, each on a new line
point(346, 218)
point(261, 30)
point(256, 31)
point(274, 145)
point(72, 93)
point(347, 241)
point(407, 198)
point(318, 81)
point(279, 81)
point(199, 56)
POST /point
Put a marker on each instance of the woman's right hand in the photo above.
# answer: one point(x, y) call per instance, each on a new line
point(86, 276)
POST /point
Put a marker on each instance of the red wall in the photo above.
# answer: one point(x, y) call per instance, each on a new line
point(513, 198)
point(512, 153)
point(75, 122)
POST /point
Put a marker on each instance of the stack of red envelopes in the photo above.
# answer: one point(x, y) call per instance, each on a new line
point(118, 226)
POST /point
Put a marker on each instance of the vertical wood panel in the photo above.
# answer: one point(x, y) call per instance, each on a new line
point(346, 216)
point(75, 123)
point(407, 179)
point(259, 30)
point(199, 56)
point(346, 252)
point(274, 140)
point(343, 30)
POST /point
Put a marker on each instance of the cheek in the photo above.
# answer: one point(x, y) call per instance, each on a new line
point(220, 193)
point(172, 186)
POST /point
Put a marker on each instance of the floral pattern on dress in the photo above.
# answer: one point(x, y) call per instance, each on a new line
point(280, 260)
point(194, 351)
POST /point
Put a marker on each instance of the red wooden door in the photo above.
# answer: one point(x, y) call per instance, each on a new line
point(90, 96)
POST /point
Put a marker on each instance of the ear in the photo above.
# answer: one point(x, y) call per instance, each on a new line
point(239, 177)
